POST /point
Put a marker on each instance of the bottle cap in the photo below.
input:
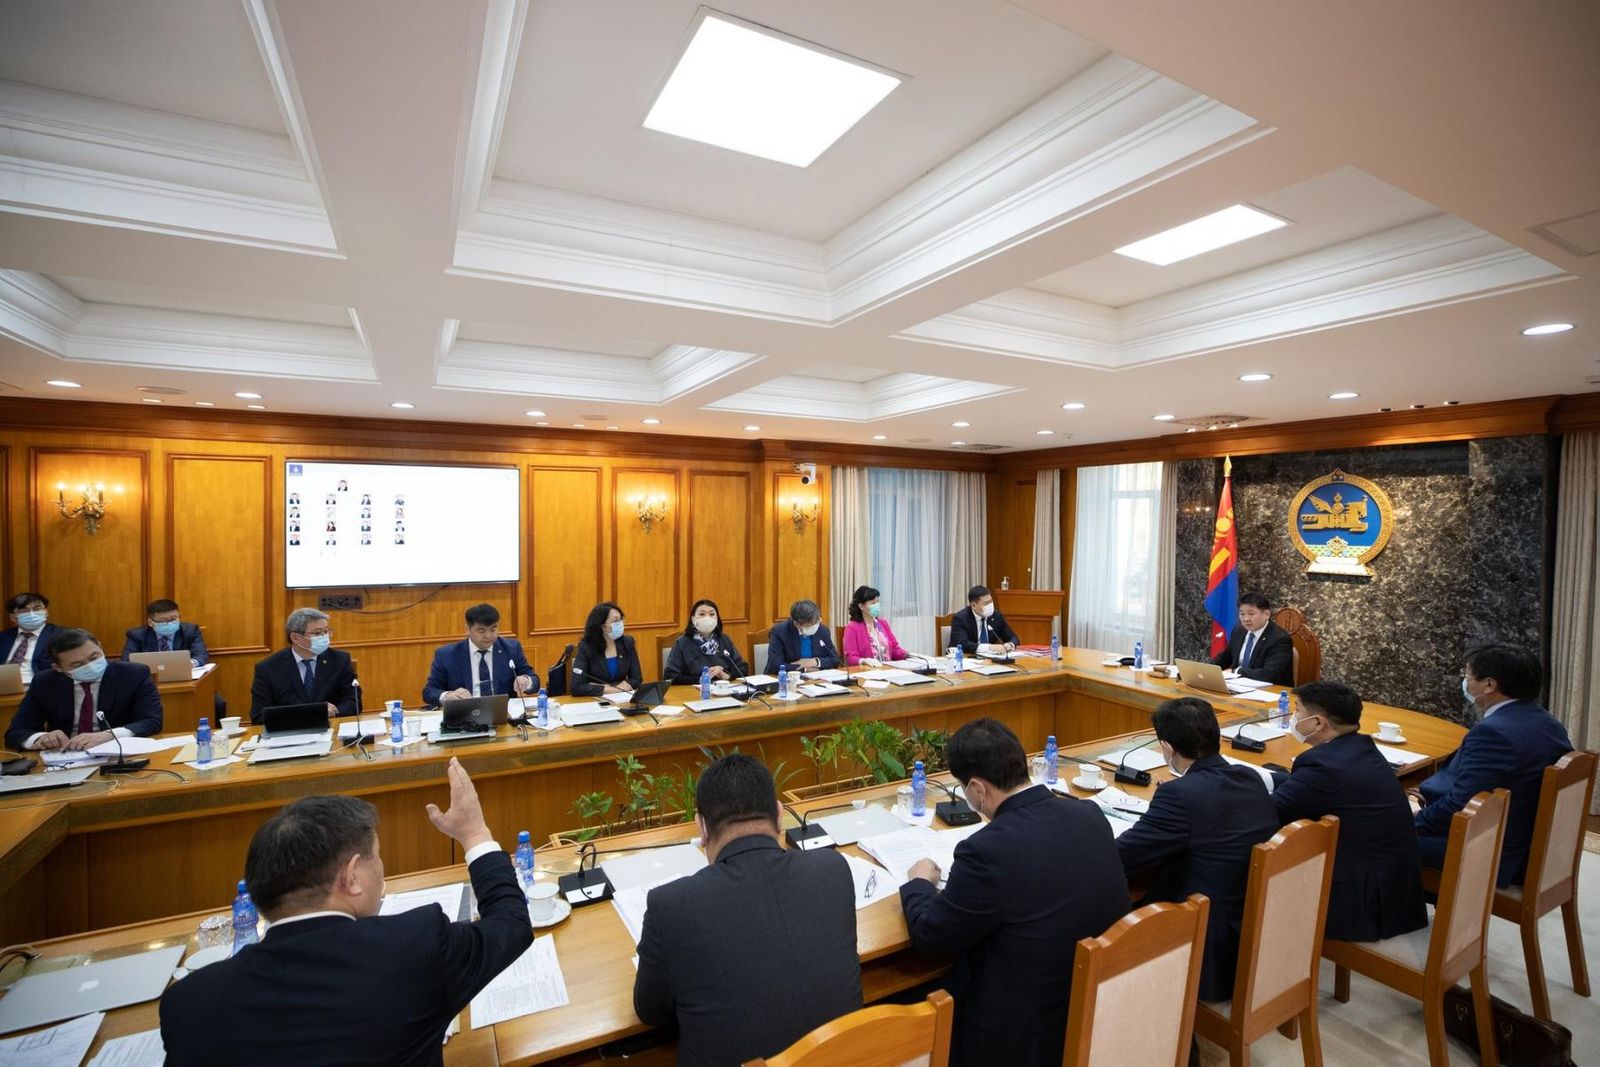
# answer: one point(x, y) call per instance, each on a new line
point(204, 721)
point(523, 836)
point(242, 886)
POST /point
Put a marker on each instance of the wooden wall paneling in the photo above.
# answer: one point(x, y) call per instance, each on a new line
point(101, 583)
point(717, 517)
point(645, 564)
point(215, 558)
point(797, 553)
point(12, 514)
point(1010, 522)
point(566, 568)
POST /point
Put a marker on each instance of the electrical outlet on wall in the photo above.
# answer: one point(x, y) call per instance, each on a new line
point(339, 602)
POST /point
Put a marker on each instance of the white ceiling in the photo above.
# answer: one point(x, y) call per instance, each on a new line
point(454, 205)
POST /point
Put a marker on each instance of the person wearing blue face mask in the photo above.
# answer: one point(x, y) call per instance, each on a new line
point(165, 631)
point(307, 672)
point(27, 642)
point(606, 662)
point(801, 642)
point(85, 700)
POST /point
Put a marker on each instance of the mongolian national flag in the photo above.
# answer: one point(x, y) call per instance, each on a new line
point(1222, 585)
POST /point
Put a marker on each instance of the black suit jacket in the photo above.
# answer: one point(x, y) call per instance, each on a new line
point(1377, 871)
point(278, 681)
point(750, 954)
point(685, 661)
point(1022, 892)
point(452, 669)
point(964, 630)
point(783, 647)
point(1197, 837)
point(337, 990)
point(38, 650)
point(589, 676)
point(187, 639)
point(1271, 660)
point(127, 696)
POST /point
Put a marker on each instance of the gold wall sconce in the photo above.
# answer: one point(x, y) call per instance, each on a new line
point(801, 512)
point(652, 509)
point(91, 509)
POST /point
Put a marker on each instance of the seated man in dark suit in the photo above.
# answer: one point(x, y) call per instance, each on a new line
point(1377, 870)
point(27, 642)
point(85, 700)
point(801, 642)
point(980, 623)
point(164, 631)
point(1197, 835)
point(314, 871)
point(1023, 890)
point(482, 664)
point(1509, 748)
point(307, 672)
point(756, 950)
point(1258, 647)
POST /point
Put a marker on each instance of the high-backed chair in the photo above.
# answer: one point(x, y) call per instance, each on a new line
point(1280, 943)
point(884, 1035)
point(1307, 649)
point(555, 679)
point(1133, 988)
point(1552, 878)
point(758, 649)
point(664, 649)
point(1426, 962)
point(941, 625)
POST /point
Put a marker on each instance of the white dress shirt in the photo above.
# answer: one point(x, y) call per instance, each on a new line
point(77, 703)
point(472, 856)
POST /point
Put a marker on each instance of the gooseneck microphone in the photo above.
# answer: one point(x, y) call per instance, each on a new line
point(1127, 777)
point(955, 811)
point(1250, 744)
point(123, 765)
point(809, 835)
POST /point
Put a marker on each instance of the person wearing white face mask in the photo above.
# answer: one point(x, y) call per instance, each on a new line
point(85, 700)
point(27, 642)
point(801, 642)
point(703, 645)
point(979, 628)
point(606, 662)
point(1377, 870)
point(306, 672)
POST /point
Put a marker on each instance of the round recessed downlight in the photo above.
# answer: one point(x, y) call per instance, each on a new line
point(256, 407)
point(248, 396)
point(534, 414)
point(1072, 405)
point(961, 425)
point(1163, 417)
point(402, 405)
point(1044, 433)
point(752, 428)
point(1544, 328)
point(62, 383)
point(651, 422)
point(1343, 396)
point(1256, 376)
point(880, 437)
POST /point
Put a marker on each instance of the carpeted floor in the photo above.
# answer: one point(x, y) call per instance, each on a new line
point(1380, 1027)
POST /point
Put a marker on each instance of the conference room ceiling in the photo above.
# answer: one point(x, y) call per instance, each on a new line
point(457, 206)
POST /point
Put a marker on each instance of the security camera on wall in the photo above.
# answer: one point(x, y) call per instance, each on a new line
point(808, 473)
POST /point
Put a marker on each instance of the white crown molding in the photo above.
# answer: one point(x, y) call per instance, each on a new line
point(497, 63)
point(804, 397)
point(36, 311)
point(527, 370)
point(1029, 324)
point(75, 157)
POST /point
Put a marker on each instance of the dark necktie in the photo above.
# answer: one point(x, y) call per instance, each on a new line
point(483, 673)
point(20, 654)
point(308, 675)
point(86, 710)
point(1249, 649)
point(164, 643)
point(983, 631)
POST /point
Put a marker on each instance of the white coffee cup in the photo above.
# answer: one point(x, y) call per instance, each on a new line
point(231, 724)
point(1388, 730)
point(1089, 773)
point(542, 901)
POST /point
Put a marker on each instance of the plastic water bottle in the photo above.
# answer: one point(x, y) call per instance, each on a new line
point(541, 705)
point(244, 919)
point(783, 681)
point(1283, 708)
point(1138, 655)
point(522, 860)
point(960, 660)
point(919, 790)
point(1051, 759)
point(202, 744)
point(397, 726)
point(705, 683)
point(1055, 648)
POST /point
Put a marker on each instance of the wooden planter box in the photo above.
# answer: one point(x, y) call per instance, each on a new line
point(826, 789)
point(671, 818)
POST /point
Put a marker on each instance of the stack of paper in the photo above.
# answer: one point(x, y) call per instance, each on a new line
point(59, 758)
point(992, 668)
point(1245, 693)
point(1399, 757)
point(533, 983)
point(59, 1046)
point(450, 899)
point(589, 712)
point(831, 675)
point(1138, 759)
point(824, 689)
point(1256, 731)
point(872, 883)
point(903, 848)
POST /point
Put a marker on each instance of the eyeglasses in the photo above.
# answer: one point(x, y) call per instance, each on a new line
point(872, 884)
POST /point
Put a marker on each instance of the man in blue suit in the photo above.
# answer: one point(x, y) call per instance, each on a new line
point(1377, 870)
point(164, 631)
point(483, 664)
point(1511, 745)
point(85, 700)
point(27, 642)
point(1198, 833)
point(801, 642)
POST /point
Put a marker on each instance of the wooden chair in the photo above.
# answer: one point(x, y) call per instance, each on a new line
point(664, 648)
point(1133, 988)
point(941, 626)
point(1280, 943)
point(758, 649)
point(1307, 649)
point(1553, 872)
point(885, 1035)
point(1426, 962)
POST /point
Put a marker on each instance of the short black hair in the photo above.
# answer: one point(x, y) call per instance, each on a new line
point(987, 749)
point(862, 594)
point(594, 627)
point(1515, 670)
point(1189, 725)
point(295, 855)
point(65, 641)
point(688, 627)
point(483, 615)
point(736, 788)
point(1257, 601)
point(1335, 700)
point(22, 600)
point(977, 592)
point(805, 611)
point(155, 607)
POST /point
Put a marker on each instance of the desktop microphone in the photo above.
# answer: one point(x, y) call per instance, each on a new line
point(928, 670)
point(809, 835)
point(589, 885)
point(955, 811)
point(124, 765)
point(1251, 744)
point(1127, 777)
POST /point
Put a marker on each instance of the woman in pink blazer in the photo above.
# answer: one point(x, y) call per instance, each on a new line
point(866, 636)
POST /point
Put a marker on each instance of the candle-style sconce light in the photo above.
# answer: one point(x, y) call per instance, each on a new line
point(652, 509)
point(801, 512)
point(91, 509)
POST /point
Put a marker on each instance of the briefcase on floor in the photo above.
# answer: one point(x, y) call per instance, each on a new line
point(1522, 1040)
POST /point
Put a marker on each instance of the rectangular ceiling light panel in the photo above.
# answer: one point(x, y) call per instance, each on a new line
point(1217, 230)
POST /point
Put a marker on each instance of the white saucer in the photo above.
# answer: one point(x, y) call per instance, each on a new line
point(563, 909)
point(1111, 662)
point(1390, 740)
point(1093, 787)
point(207, 956)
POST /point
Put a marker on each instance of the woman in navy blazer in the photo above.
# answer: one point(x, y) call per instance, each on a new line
point(607, 661)
point(801, 641)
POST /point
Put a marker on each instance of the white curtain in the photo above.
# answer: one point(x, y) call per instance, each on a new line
point(848, 559)
point(1047, 531)
point(1575, 640)
point(967, 520)
point(1167, 563)
point(1116, 560)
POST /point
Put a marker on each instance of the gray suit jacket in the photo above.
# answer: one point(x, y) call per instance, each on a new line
point(751, 953)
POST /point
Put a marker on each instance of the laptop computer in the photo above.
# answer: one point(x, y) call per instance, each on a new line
point(287, 720)
point(1207, 676)
point(51, 996)
point(647, 696)
point(471, 717)
point(27, 783)
point(11, 679)
point(166, 666)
